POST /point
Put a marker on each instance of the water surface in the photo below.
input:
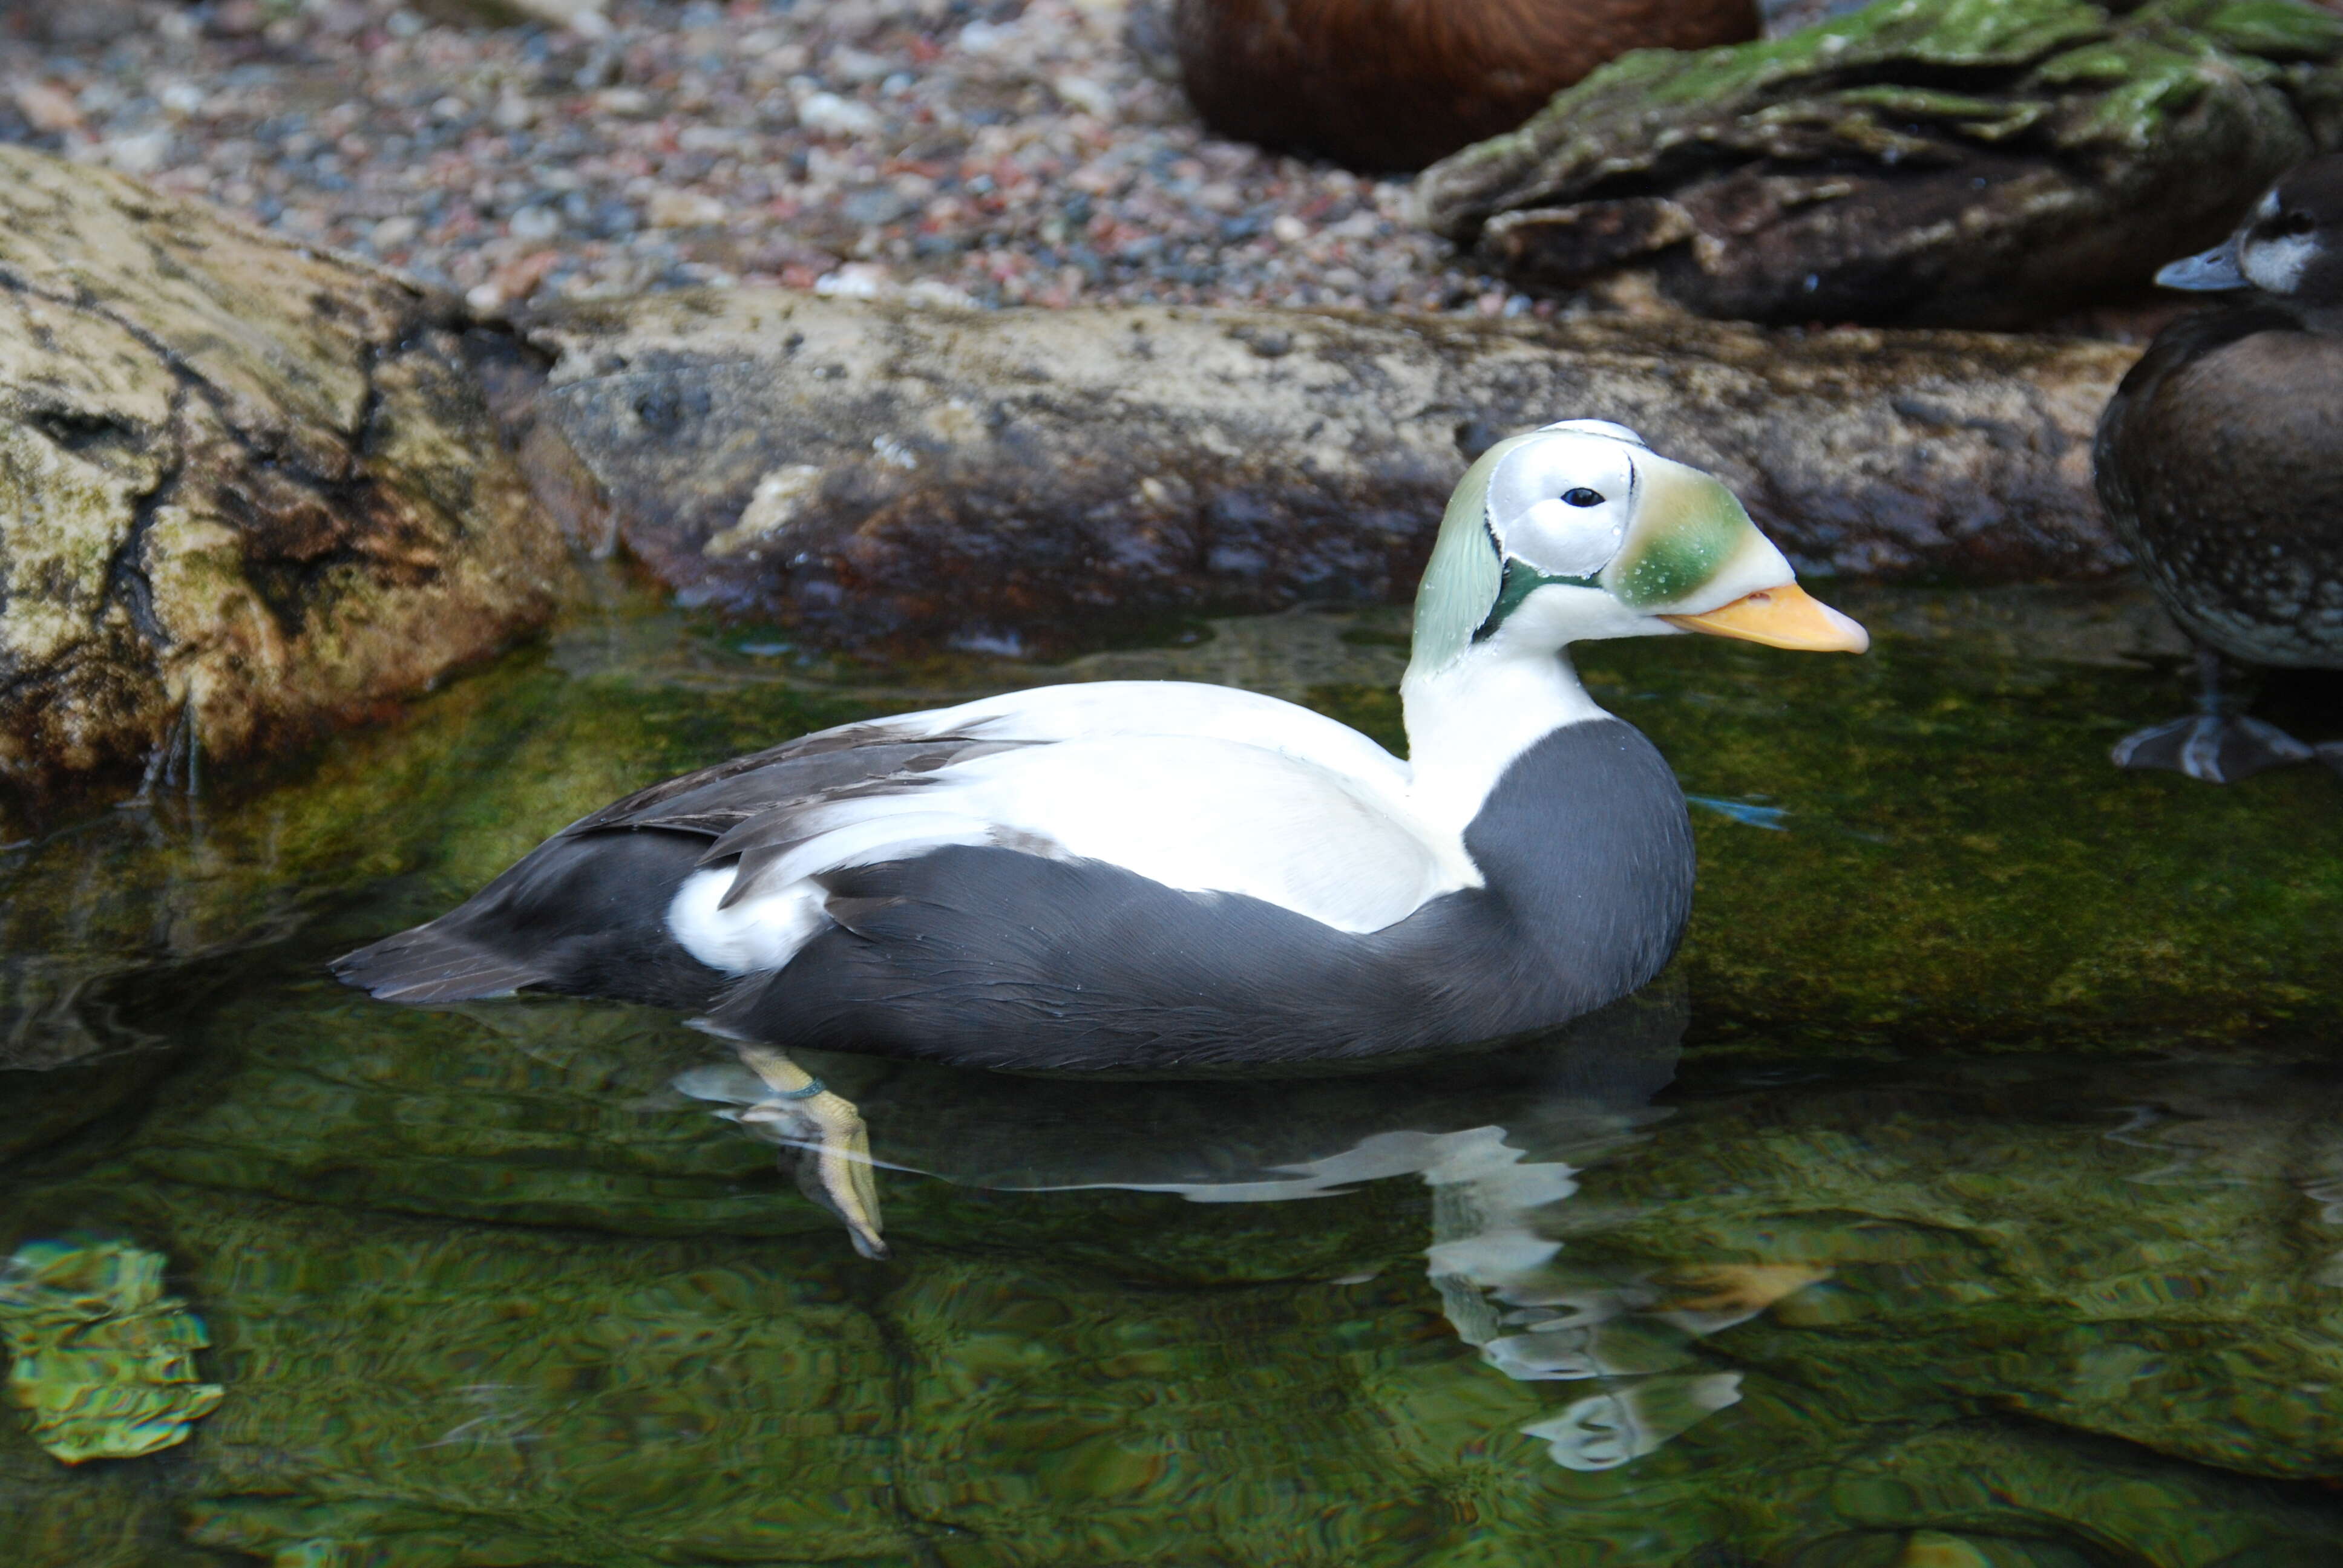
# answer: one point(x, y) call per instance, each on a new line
point(1970, 1192)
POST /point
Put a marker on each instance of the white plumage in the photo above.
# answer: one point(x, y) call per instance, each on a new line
point(1199, 788)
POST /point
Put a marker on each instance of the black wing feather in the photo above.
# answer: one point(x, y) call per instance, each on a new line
point(586, 910)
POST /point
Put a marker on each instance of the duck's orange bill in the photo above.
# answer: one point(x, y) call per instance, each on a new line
point(1785, 617)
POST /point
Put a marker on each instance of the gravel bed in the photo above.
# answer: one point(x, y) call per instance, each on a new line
point(956, 151)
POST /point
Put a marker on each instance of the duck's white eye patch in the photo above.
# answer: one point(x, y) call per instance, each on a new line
point(1559, 501)
point(1565, 539)
point(2276, 266)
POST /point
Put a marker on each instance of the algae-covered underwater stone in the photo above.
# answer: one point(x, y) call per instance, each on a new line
point(2032, 1313)
point(2143, 1250)
point(100, 1360)
point(1927, 846)
point(1944, 162)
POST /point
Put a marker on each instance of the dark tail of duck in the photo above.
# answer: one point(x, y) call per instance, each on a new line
point(425, 965)
point(584, 914)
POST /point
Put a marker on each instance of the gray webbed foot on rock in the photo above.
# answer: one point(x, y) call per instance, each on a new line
point(2218, 747)
point(832, 1144)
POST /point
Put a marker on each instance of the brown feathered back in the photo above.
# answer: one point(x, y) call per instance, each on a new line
point(1396, 83)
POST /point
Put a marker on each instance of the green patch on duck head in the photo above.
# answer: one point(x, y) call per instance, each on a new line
point(1467, 570)
point(1687, 526)
point(1521, 580)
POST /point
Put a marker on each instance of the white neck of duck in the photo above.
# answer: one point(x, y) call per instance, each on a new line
point(1468, 721)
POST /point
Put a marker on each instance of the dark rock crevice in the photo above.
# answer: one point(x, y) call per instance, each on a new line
point(126, 579)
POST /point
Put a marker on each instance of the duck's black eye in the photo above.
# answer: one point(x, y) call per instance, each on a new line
point(2296, 223)
point(1582, 497)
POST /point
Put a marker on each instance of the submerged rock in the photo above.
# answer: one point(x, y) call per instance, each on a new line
point(1021, 481)
point(2149, 1289)
point(244, 490)
point(102, 1362)
point(1979, 163)
point(2139, 1250)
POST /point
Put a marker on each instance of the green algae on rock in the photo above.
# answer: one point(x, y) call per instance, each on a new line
point(245, 491)
point(2038, 1313)
point(100, 1359)
point(1927, 849)
point(2135, 1249)
point(1941, 162)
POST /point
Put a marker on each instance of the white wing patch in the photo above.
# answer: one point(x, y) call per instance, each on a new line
point(759, 933)
point(1103, 709)
point(1209, 815)
point(1190, 811)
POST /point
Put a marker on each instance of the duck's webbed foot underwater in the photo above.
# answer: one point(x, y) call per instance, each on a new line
point(2216, 743)
point(2219, 749)
point(832, 1146)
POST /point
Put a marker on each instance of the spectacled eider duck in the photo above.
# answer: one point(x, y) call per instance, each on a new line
point(2220, 463)
point(1158, 877)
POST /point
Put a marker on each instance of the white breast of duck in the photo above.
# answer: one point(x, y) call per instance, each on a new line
point(1166, 877)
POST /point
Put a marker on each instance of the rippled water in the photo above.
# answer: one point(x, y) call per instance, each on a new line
point(1971, 1191)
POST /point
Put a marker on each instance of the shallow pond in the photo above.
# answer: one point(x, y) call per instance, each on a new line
point(1969, 1192)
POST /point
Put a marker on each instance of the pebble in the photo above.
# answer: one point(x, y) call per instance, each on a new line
point(952, 152)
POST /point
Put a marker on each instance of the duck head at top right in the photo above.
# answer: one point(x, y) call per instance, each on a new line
point(2291, 246)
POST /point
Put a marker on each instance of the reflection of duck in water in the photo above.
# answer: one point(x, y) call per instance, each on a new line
point(2220, 463)
point(1500, 1139)
point(1395, 84)
point(1158, 878)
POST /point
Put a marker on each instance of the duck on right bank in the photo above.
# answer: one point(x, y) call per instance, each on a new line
point(2220, 464)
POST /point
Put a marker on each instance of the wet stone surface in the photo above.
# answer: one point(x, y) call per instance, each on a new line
point(1035, 482)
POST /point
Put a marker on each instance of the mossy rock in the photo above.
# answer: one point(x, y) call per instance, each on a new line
point(1982, 163)
point(102, 1362)
point(246, 493)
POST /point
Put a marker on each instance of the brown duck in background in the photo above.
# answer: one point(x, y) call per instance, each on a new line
point(1397, 83)
point(2220, 463)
